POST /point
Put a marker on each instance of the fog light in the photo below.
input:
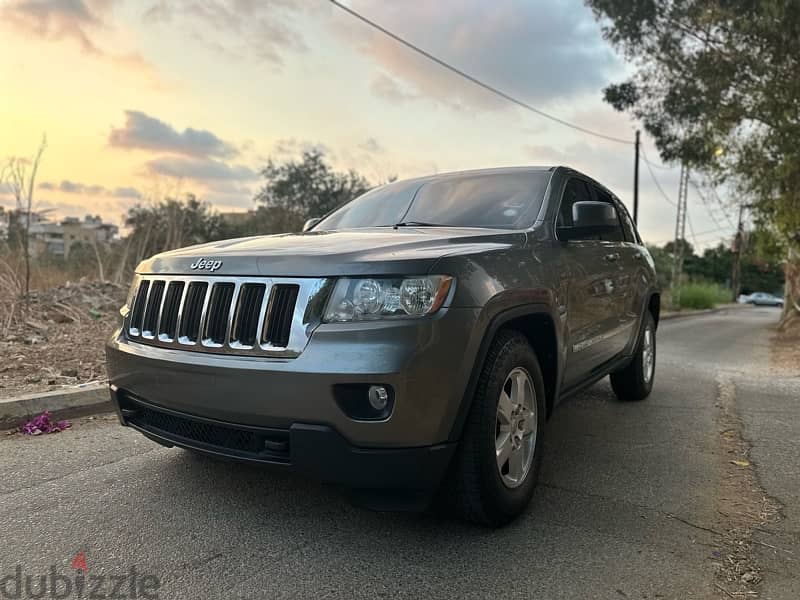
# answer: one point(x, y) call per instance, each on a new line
point(378, 397)
point(365, 401)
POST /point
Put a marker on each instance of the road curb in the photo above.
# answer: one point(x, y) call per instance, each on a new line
point(63, 403)
point(681, 314)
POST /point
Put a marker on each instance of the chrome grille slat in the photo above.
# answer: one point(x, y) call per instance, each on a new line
point(168, 321)
point(151, 312)
point(137, 313)
point(218, 310)
point(157, 328)
point(237, 289)
point(189, 332)
point(213, 330)
point(181, 304)
point(246, 322)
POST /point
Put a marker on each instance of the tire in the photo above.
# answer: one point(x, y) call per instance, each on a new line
point(635, 382)
point(478, 489)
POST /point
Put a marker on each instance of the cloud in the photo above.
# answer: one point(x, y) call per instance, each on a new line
point(390, 89)
point(540, 55)
point(293, 147)
point(149, 133)
point(371, 145)
point(80, 22)
point(246, 29)
point(199, 169)
point(126, 192)
point(73, 187)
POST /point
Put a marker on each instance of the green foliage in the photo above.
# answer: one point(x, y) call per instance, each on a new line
point(663, 261)
point(758, 274)
point(716, 84)
point(170, 224)
point(295, 191)
point(703, 295)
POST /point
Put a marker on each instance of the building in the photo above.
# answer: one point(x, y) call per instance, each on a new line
point(57, 238)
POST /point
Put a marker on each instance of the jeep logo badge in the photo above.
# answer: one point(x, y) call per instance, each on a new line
point(208, 265)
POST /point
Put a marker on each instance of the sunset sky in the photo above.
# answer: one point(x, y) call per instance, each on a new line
point(143, 98)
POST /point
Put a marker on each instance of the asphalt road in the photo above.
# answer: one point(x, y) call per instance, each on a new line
point(635, 501)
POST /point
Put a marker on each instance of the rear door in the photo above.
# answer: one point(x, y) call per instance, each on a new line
point(588, 283)
point(636, 281)
point(621, 254)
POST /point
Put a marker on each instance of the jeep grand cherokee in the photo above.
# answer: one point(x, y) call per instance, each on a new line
point(410, 346)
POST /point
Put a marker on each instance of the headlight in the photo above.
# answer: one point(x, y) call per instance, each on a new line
point(386, 298)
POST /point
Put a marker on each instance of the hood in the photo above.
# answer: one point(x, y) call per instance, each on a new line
point(375, 251)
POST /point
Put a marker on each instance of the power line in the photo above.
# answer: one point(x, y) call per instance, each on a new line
point(662, 167)
point(704, 200)
point(691, 227)
point(701, 234)
point(472, 79)
point(653, 177)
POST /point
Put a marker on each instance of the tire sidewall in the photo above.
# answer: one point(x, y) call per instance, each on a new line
point(500, 498)
point(646, 386)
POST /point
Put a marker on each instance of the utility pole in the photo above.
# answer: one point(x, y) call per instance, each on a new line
point(738, 248)
point(636, 183)
point(680, 232)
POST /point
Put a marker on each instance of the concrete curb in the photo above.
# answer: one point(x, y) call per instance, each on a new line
point(679, 314)
point(91, 399)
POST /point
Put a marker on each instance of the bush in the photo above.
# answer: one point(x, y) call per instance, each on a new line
point(703, 295)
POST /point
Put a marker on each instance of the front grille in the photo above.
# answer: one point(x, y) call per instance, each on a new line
point(260, 443)
point(226, 315)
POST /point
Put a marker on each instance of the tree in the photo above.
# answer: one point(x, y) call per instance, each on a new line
point(295, 191)
point(717, 84)
point(20, 175)
point(169, 224)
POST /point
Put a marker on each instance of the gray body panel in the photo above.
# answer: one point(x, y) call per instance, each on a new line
point(595, 306)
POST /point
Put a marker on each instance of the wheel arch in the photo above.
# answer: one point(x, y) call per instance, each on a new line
point(537, 323)
point(654, 305)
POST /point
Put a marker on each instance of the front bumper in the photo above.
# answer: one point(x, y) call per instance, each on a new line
point(427, 363)
point(316, 451)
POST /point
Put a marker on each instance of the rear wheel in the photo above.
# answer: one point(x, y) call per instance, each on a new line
point(635, 381)
point(495, 470)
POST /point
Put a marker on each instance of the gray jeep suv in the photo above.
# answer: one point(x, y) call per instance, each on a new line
point(410, 346)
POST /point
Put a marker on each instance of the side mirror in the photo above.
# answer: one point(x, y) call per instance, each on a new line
point(310, 223)
point(590, 219)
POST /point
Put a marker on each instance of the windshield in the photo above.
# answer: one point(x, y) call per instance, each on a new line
point(496, 200)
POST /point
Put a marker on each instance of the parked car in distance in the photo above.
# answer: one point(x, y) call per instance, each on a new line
point(409, 347)
point(764, 299)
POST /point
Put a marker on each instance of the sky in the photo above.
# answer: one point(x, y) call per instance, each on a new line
point(140, 99)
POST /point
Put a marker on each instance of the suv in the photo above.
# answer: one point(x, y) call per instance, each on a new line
point(409, 346)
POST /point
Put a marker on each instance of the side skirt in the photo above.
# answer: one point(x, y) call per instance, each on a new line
point(596, 375)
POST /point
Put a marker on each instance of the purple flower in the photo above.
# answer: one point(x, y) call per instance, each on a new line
point(43, 424)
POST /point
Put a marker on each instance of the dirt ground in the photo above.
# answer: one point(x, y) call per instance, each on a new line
point(786, 352)
point(58, 341)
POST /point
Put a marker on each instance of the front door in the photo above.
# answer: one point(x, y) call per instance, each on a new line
point(589, 279)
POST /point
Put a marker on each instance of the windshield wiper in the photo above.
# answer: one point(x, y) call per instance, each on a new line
point(417, 224)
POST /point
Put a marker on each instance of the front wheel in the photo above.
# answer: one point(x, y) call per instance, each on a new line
point(635, 381)
point(497, 464)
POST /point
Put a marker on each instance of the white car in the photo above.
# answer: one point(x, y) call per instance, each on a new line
point(764, 299)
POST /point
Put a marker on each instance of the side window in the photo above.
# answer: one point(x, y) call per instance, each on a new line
point(617, 235)
point(627, 225)
point(576, 191)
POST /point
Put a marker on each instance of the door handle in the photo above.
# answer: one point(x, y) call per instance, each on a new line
point(611, 257)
